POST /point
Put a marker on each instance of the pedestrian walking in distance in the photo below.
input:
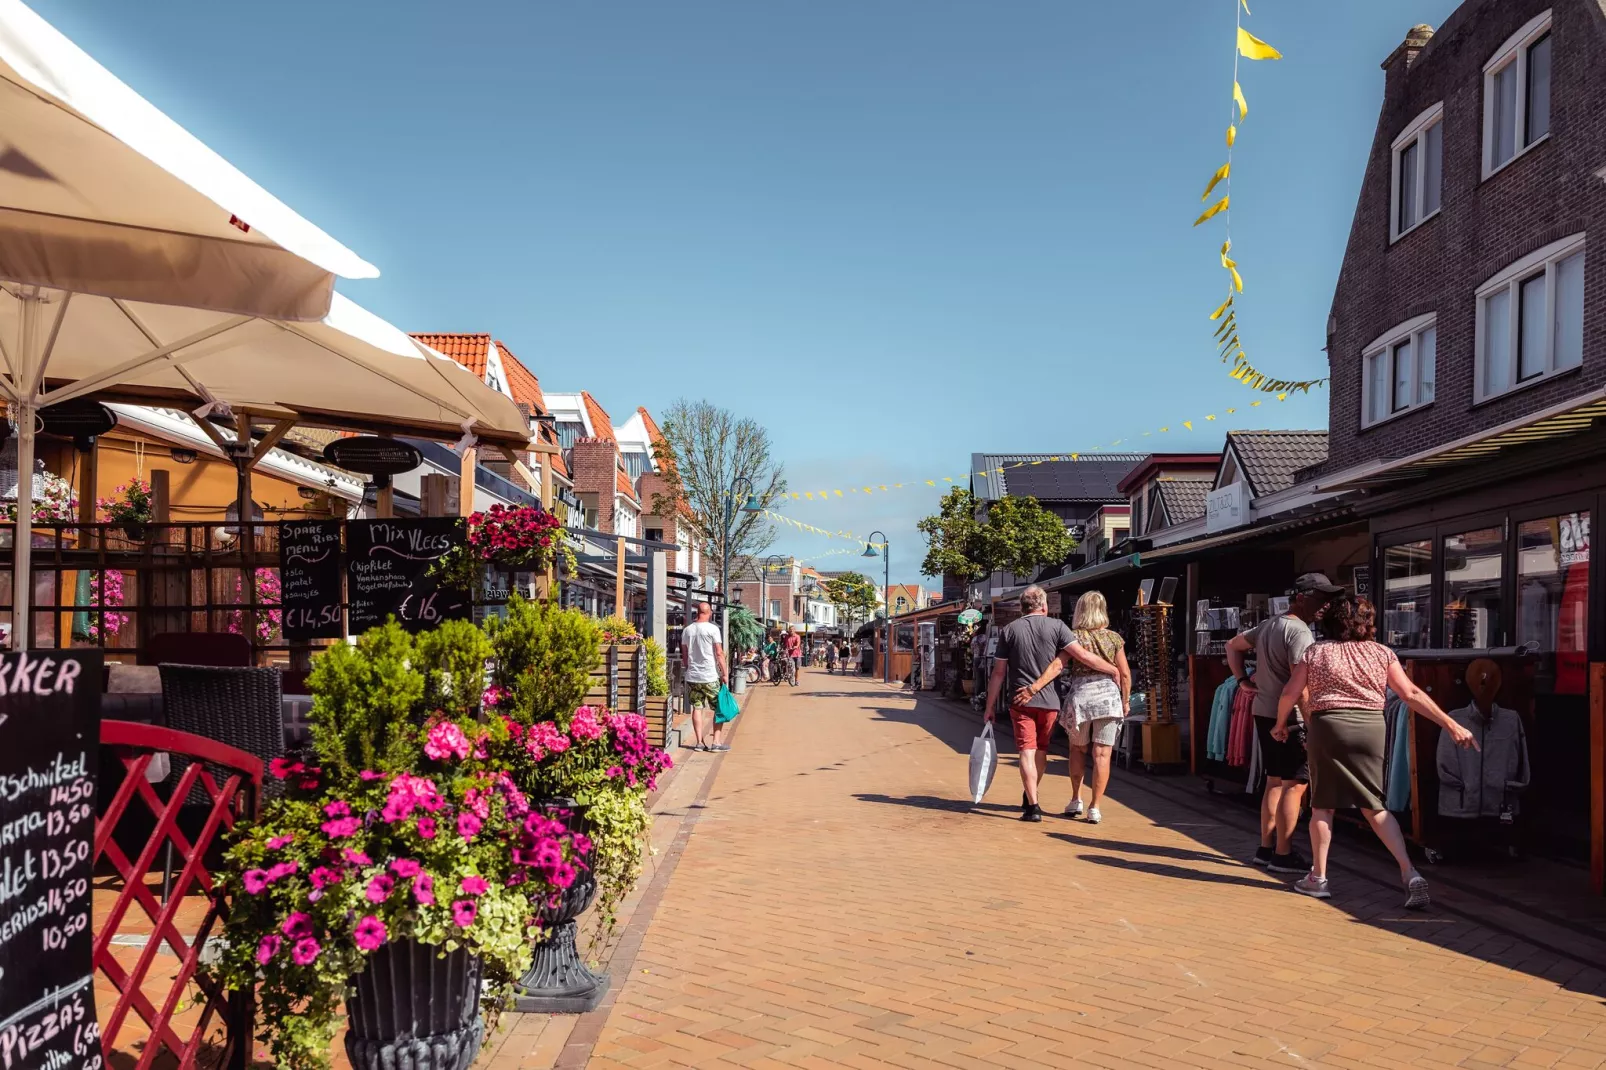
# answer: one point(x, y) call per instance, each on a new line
point(1026, 649)
point(1339, 683)
point(703, 653)
point(794, 652)
point(1092, 713)
point(830, 658)
point(1278, 644)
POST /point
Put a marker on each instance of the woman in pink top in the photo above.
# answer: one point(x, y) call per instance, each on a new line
point(1340, 686)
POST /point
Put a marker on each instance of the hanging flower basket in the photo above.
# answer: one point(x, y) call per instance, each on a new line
point(518, 539)
point(129, 505)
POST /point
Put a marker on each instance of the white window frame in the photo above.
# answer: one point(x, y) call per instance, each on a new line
point(1510, 278)
point(1514, 51)
point(1415, 134)
point(1411, 330)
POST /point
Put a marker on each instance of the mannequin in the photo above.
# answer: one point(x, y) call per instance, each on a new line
point(1480, 790)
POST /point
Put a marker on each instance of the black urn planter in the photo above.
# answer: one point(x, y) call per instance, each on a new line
point(558, 980)
point(412, 1009)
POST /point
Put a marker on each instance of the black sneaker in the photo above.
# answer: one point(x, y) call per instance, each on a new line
point(1031, 812)
point(1263, 856)
point(1288, 863)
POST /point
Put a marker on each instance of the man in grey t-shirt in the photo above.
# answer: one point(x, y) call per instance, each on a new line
point(1279, 644)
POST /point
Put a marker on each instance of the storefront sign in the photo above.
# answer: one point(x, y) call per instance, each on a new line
point(387, 572)
point(1363, 581)
point(1227, 508)
point(49, 743)
point(309, 576)
point(1574, 539)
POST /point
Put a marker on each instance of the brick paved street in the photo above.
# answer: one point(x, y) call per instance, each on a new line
point(837, 904)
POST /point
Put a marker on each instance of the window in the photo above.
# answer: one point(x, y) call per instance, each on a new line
point(1516, 95)
point(1418, 170)
point(1407, 594)
point(1531, 319)
point(1397, 370)
point(1473, 563)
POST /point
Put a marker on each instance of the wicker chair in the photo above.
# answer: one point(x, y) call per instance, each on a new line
point(240, 707)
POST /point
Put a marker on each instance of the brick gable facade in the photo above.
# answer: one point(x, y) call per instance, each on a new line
point(1553, 190)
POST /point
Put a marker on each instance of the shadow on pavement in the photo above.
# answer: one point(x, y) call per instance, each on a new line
point(1179, 853)
point(933, 802)
point(1160, 869)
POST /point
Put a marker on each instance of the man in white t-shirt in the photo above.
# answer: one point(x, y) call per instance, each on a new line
point(703, 653)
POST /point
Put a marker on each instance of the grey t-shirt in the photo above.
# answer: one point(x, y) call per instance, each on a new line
point(1028, 645)
point(1280, 644)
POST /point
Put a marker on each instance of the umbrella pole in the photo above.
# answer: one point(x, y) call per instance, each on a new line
point(22, 537)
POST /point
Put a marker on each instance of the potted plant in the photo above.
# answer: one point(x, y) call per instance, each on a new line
point(400, 868)
point(129, 505)
point(657, 711)
point(53, 501)
point(509, 539)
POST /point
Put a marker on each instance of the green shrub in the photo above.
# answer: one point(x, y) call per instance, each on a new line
point(657, 668)
point(364, 703)
point(545, 655)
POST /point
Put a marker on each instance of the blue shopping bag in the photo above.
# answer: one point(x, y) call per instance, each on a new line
point(725, 709)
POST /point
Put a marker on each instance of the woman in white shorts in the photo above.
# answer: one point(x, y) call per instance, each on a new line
point(1097, 702)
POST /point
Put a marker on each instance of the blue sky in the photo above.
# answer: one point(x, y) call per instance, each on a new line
point(895, 232)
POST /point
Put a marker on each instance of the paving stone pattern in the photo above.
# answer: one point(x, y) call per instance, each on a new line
point(840, 904)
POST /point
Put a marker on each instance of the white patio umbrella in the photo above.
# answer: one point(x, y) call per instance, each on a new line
point(138, 265)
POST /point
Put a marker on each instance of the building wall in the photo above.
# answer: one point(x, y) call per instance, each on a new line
point(1549, 192)
point(593, 462)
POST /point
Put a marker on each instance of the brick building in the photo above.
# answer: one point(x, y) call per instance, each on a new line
point(607, 492)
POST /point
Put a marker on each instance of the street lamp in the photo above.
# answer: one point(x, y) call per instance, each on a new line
point(886, 589)
point(750, 504)
point(811, 590)
point(764, 590)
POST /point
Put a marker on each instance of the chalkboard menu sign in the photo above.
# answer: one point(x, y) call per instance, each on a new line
point(387, 571)
point(49, 742)
point(309, 578)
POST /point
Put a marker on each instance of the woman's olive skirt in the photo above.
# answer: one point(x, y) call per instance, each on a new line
point(1346, 759)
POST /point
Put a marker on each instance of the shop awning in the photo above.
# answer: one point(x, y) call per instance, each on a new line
point(1572, 417)
point(1195, 547)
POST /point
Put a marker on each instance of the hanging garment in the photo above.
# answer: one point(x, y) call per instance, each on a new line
point(1480, 783)
point(1398, 777)
point(1220, 720)
point(1241, 733)
point(1257, 765)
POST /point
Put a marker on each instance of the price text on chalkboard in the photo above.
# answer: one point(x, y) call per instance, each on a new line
point(49, 742)
point(309, 574)
point(387, 571)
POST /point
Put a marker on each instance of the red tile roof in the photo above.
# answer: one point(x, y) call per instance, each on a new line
point(470, 350)
point(522, 382)
point(601, 422)
point(622, 485)
point(653, 434)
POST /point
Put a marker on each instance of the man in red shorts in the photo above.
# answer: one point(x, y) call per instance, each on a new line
point(1024, 650)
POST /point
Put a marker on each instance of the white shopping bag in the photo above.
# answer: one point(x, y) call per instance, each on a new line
point(983, 763)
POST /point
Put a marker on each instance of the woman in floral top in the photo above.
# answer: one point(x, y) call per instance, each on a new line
point(1340, 685)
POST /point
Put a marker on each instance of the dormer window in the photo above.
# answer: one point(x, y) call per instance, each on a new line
point(1418, 171)
point(1516, 95)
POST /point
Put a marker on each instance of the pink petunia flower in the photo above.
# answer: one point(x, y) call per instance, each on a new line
point(426, 827)
point(446, 740)
point(424, 889)
point(255, 881)
point(355, 857)
point(468, 825)
point(405, 867)
point(323, 875)
point(370, 933)
point(341, 827)
point(337, 809)
point(281, 870)
point(279, 843)
point(369, 774)
point(306, 951)
point(379, 888)
point(297, 925)
point(268, 948)
point(474, 885)
point(463, 912)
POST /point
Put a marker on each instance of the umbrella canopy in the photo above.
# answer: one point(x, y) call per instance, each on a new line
point(101, 193)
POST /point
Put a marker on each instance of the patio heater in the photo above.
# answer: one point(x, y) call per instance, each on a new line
point(886, 594)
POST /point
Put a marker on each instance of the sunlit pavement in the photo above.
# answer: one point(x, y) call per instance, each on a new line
point(837, 902)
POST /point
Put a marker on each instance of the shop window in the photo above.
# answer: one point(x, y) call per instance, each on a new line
point(1418, 170)
point(1516, 95)
point(1408, 594)
point(1530, 321)
point(1473, 561)
point(1553, 599)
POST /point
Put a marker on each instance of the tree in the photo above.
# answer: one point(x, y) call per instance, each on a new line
point(1016, 536)
point(853, 595)
point(703, 451)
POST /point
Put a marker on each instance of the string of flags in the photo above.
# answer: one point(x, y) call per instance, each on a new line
point(835, 493)
point(1250, 47)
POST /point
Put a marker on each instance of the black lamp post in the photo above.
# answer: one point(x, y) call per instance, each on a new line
point(764, 589)
point(886, 594)
point(751, 504)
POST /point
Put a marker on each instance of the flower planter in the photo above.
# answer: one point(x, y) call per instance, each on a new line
point(414, 1009)
point(558, 980)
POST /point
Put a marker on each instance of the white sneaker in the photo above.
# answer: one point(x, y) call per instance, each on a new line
point(1093, 816)
point(1073, 808)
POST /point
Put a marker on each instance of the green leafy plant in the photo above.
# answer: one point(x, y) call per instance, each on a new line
point(543, 655)
point(618, 630)
point(745, 630)
point(128, 504)
point(406, 826)
point(853, 595)
point(1016, 535)
point(657, 668)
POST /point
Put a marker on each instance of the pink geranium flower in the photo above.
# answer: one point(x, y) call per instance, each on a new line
point(370, 934)
point(446, 740)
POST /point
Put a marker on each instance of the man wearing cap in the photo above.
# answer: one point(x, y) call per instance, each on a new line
point(1279, 644)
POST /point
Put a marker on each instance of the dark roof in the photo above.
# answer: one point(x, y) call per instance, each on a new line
point(1270, 458)
point(1184, 499)
point(1061, 477)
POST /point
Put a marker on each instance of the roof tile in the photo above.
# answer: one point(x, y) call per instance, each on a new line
point(472, 351)
point(1270, 458)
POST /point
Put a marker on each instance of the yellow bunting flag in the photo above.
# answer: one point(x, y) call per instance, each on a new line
point(1232, 134)
point(1221, 173)
point(1224, 306)
point(1212, 211)
point(1243, 105)
point(1252, 47)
